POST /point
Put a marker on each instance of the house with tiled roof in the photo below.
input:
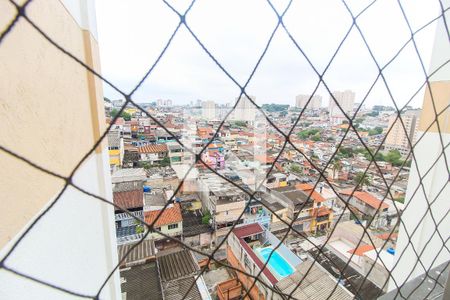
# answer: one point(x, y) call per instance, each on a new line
point(152, 153)
point(364, 202)
point(130, 197)
point(168, 221)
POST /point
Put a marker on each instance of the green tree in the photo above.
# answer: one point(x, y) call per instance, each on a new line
point(275, 107)
point(373, 114)
point(361, 180)
point(305, 134)
point(165, 162)
point(240, 123)
point(145, 164)
point(140, 229)
point(126, 116)
point(336, 167)
point(295, 168)
point(206, 217)
point(394, 157)
point(316, 137)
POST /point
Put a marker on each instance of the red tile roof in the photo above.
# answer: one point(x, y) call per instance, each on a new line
point(120, 121)
point(323, 211)
point(361, 250)
point(264, 159)
point(129, 199)
point(153, 148)
point(308, 188)
point(388, 235)
point(366, 198)
point(170, 215)
point(248, 230)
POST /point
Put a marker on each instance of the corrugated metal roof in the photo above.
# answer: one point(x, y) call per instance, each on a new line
point(176, 289)
point(318, 284)
point(175, 264)
point(247, 230)
point(141, 252)
point(141, 282)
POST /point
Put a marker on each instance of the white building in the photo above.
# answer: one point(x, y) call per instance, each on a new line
point(346, 100)
point(302, 100)
point(399, 137)
point(245, 110)
point(209, 110)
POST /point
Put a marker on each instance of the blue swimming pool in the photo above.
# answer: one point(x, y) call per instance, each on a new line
point(276, 263)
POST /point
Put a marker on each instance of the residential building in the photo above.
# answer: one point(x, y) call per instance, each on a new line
point(222, 200)
point(126, 175)
point(366, 205)
point(168, 222)
point(367, 255)
point(130, 196)
point(346, 100)
point(322, 214)
point(276, 180)
point(177, 154)
point(300, 206)
point(245, 110)
point(314, 104)
point(400, 138)
point(118, 103)
point(153, 153)
point(248, 249)
point(209, 110)
point(116, 150)
point(52, 113)
point(257, 212)
point(164, 102)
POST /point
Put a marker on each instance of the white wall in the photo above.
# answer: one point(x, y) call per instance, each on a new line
point(72, 246)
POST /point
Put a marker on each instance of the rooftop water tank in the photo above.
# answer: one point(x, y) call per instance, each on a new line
point(147, 189)
point(390, 251)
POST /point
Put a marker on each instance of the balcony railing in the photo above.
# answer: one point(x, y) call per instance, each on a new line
point(129, 238)
point(126, 216)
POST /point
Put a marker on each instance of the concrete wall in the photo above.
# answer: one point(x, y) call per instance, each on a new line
point(229, 212)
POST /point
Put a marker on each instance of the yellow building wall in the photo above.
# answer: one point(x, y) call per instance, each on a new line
point(49, 108)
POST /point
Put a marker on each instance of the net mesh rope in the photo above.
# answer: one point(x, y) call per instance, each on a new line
point(319, 250)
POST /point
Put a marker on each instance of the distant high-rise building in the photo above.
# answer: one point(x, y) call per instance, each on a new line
point(117, 103)
point(346, 100)
point(198, 103)
point(245, 110)
point(315, 103)
point(209, 110)
point(398, 138)
point(164, 102)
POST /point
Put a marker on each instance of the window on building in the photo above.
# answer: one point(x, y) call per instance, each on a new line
point(173, 226)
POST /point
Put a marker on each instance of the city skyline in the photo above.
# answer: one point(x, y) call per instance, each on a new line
point(283, 73)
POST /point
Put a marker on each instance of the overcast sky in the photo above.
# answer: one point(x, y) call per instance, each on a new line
point(132, 34)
